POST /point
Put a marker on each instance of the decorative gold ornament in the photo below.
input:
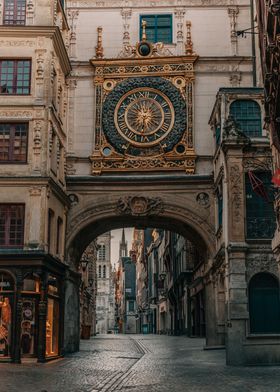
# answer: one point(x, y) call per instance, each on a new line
point(108, 85)
point(189, 44)
point(99, 51)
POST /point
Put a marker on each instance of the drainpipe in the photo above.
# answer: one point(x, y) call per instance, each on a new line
point(253, 44)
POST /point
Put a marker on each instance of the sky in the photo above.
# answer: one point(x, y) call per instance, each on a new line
point(115, 242)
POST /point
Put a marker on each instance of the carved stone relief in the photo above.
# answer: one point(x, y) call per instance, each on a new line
point(263, 262)
point(139, 205)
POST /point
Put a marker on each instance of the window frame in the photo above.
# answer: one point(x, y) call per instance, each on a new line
point(143, 16)
point(248, 119)
point(15, 75)
point(15, 22)
point(7, 225)
point(13, 161)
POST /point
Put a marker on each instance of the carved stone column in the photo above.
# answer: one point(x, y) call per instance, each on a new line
point(179, 16)
point(18, 309)
point(233, 12)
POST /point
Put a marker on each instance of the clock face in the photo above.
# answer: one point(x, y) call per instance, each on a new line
point(144, 116)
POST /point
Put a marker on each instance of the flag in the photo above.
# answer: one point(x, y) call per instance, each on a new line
point(276, 178)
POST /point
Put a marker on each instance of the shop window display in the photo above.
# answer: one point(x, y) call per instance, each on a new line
point(52, 322)
point(6, 302)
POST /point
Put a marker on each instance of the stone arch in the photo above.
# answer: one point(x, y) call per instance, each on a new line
point(88, 222)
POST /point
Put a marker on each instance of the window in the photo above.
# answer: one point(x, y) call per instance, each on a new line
point(14, 12)
point(104, 271)
point(15, 77)
point(218, 134)
point(11, 225)
point(50, 228)
point(247, 115)
point(59, 223)
point(264, 304)
point(131, 306)
point(260, 216)
point(220, 211)
point(158, 28)
point(99, 271)
point(13, 142)
point(102, 252)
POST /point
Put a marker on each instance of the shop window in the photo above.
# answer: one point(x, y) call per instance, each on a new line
point(260, 215)
point(52, 322)
point(11, 225)
point(28, 327)
point(13, 142)
point(158, 28)
point(31, 283)
point(15, 77)
point(264, 304)
point(14, 12)
point(7, 286)
point(247, 114)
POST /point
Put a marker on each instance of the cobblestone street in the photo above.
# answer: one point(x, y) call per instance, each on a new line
point(139, 363)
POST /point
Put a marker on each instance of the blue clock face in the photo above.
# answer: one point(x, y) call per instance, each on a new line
point(144, 116)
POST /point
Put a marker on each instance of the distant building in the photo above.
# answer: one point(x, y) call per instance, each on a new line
point(125, 310)
point(105, 290)
point(88, 289)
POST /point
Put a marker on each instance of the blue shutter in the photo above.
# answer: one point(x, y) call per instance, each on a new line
point(158, 29)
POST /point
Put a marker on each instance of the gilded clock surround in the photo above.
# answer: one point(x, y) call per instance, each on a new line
point(118, 145)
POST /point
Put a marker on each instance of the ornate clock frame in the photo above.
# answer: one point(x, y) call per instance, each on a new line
point(179, 70)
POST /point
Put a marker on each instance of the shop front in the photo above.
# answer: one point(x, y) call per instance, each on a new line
point(31, 311)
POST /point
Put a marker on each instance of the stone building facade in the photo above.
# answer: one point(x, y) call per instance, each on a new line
point(34, 203)
point(127, 118)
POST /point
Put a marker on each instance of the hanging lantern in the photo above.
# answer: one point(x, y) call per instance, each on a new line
point(276, 178)
point(258, 186)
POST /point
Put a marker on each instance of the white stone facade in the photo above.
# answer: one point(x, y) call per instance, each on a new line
point(224, 59)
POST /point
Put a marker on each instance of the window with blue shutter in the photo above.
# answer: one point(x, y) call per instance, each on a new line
point(247, 115)
point(158, 28)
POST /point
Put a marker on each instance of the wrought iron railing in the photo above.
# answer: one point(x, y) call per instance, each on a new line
point(260, 227)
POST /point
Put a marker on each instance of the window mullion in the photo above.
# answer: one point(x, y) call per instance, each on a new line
point(12, 142)
point(7, 225)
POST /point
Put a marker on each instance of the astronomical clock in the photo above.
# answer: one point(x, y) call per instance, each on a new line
point(144, 110)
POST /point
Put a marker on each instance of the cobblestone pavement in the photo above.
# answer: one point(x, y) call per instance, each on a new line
point(139, 363)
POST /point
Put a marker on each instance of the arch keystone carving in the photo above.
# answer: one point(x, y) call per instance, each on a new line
point(139, 206)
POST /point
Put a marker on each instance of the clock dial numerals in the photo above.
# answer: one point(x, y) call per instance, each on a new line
point(144, 117)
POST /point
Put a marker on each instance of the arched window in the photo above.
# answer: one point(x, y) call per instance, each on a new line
point(247, 114)
point(99, 271)
point(264, 304)
point(104, 271)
